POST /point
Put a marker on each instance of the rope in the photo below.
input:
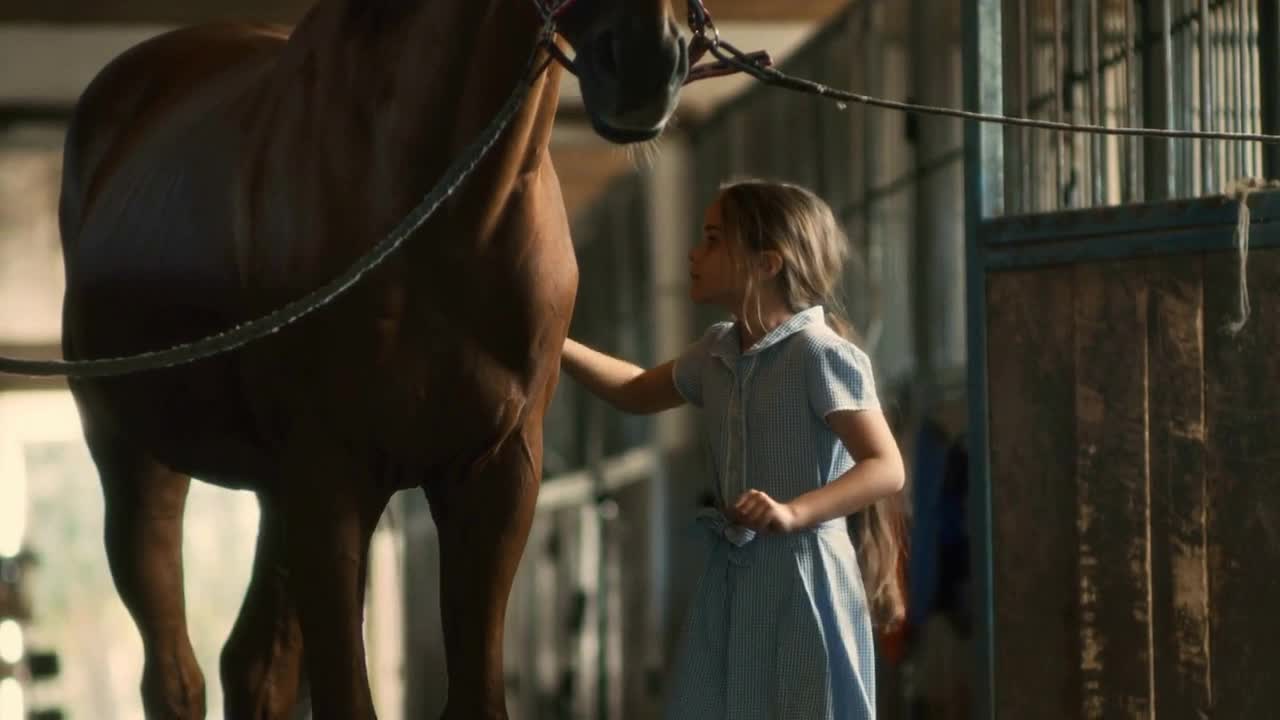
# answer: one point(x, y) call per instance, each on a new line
point(772, 76)
point(248, 332)
point(1240, 190)
point(551, 11)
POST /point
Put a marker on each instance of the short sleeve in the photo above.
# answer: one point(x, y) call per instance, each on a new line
point(839, 378)
point(688, 369)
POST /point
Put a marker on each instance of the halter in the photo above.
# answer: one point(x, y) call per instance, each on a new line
point(553, 11)
point(705, 37)
point(700, 22)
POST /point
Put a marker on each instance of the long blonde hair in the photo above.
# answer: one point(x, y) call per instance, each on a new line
point(762, 216)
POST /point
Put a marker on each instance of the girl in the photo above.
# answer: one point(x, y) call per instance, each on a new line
point(780, 626)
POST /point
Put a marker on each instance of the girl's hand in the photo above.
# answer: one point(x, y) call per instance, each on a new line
point(756, 510)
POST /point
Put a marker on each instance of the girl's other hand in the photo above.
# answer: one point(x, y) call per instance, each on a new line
point(756, 510)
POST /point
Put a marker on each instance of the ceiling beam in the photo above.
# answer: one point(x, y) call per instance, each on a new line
point(168, 12)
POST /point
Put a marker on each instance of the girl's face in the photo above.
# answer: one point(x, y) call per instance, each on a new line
point(713, 276)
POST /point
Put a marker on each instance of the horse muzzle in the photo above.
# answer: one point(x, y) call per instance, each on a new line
point(630, 76)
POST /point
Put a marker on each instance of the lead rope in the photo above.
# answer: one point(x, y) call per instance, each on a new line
point(1240, 190)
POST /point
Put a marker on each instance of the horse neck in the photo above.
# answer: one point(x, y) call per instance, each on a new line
point(418, 80)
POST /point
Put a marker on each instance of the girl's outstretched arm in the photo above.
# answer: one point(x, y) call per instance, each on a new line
point(625, 386)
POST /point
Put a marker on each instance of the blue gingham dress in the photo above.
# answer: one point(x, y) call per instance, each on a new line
point(779, 627)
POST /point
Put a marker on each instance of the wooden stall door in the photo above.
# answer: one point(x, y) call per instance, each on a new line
point(1135, 479)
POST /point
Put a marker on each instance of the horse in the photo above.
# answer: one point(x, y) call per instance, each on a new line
point(212, 174)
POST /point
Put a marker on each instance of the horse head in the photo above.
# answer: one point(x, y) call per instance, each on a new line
point(631, 62)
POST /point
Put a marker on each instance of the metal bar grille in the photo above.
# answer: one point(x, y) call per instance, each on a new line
point(1182, 64)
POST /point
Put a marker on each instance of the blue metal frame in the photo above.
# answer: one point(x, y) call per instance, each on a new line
point(984, 194)
point(1126, 245)
point(1091, 226)
point(1171, 228)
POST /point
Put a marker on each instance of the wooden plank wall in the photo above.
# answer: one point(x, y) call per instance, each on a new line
point(1135, 469)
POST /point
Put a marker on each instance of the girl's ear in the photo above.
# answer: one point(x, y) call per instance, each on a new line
point(770, 263)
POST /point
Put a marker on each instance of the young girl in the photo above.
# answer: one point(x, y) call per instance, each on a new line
point(780, 627)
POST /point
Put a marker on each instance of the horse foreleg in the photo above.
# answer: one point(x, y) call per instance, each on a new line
point(261, 663)
point(144, 506)
point(329, 516)
point(483, 523)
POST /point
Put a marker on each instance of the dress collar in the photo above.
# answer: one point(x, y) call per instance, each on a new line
point(727, 345)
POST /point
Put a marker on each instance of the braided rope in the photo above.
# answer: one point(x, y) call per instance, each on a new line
point(552, 11)
point(735, 58)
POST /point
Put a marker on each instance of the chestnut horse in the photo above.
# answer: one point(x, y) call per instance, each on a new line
point(214, 173)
